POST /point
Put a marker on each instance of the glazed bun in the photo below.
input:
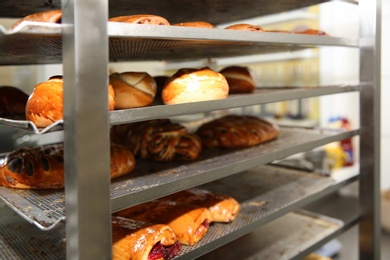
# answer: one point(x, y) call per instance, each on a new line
point(195, 24)
point(240, 79)
point(245, 27)
point(45, 104)
point(141, 19)
point(52, 16)
point(12, 101)
point(192, 85)
point(133, 89)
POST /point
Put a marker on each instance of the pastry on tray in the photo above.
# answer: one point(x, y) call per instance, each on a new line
point(240, 79)
point(245, 27)
point(43, 167)
point(236, 131)
point(189, 222)
point(140, 19)
point(136, 240)
point(51, 16)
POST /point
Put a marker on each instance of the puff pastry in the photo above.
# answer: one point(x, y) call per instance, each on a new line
point(135, 240)
point(190, 223)
point(222, 207)
point(235, 131)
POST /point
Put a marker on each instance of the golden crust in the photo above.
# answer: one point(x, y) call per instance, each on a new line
point(141, 19)
point(234, 131)
point(240, 79)
point(198, 24)
point(245, 27)
point(43, 167)
point(192, 85)
point(134, 240)
point(52, 16)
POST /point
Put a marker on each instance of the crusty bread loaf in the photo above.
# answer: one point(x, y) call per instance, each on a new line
point(192, 85)
point(137, 240)
point(12, 102)
point(199, 24)
point(158, 140)
point(45, 104)
point(190, 223)
point(133, 89)
point(245, 27)
point(312, 32)
point(43, 167)
point(235, 131)
point(240, 79)
point(141, 19)
point(51, 16)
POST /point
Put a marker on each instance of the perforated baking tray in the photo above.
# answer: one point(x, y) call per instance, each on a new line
point(281, 239)
point(261, 95)
point(37, 43)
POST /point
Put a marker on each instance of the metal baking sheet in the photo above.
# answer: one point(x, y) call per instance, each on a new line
point(39, 43)
point(261, 95)
point(150, 180)
point(281, 239)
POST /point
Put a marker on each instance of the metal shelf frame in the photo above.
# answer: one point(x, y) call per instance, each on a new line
point(84, 52)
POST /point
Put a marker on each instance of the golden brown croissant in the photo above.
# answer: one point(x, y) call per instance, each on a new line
point(158, 140)
point(43, 167)
point(136, 240)
point(234, 131)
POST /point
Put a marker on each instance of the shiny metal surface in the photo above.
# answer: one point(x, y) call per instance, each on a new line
point(86, 136)
point(370, 56)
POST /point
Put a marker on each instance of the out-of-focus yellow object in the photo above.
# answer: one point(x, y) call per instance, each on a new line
point(335, 155)
point(316, 257)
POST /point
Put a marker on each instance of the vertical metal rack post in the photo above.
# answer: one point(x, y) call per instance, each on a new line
point(370, 46)
point(87, 193)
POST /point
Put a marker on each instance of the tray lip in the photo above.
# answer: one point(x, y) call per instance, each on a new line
point(156, 32)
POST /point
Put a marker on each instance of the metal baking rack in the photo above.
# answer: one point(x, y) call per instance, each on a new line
point(46, 208)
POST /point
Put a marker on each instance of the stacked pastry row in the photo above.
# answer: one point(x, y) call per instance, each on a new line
point(54, 16)
point(158, 140)
point(182, 218)
point(129, 90)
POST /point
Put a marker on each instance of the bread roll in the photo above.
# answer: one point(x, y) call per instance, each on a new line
point(133, 89)
point(136, 240)
point(51, 16)
point(240, 79)
point(192, 85)
point(12, 102)
point(43, 167)
point(313, 32)
point(234, 131)
point(158, 140)
point(195, 24)
point(45, 104)
point(245, 27)
point(190, 223)
point(141, 19)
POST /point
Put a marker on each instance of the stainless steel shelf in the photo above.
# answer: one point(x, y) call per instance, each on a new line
point(260, 96)
point(151, 179)
point(175, 10)
point(37, 43)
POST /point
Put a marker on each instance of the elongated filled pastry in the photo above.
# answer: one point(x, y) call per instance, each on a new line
point(43, 167)
point(136, 240)
point(222, 207)
point(190, 223)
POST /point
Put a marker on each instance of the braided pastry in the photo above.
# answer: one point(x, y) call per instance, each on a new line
point(158, 140)
point(234, 131)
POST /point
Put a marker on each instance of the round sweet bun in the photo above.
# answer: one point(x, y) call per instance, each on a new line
point(240, 79)
point(278, 31)
point(45, 104)
point(245, 27)
point(192, 85)
point(12, 101)
point(199, 24)
point(313, 32)
point(133, 89)
point(141, 19)
point(52, 16)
